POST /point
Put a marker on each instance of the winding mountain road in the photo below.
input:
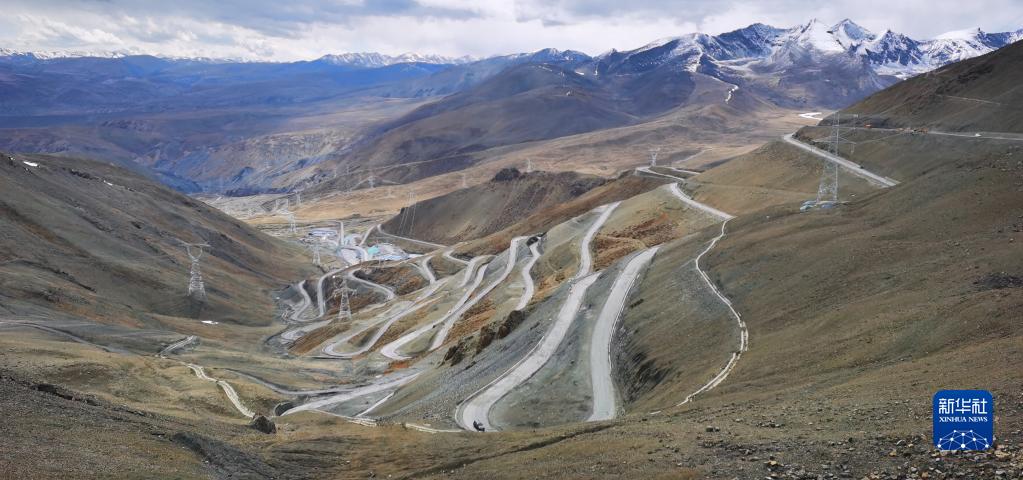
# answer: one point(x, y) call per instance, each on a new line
point(320, 300)
point(448, 255)
point(331, 349)
point(391, 349)
point(477, 407)
point(352, 394)
point(169, 349)
point(388, 293)
point(529, 288)
point(585, 256)
point(424, 266)
point(604, 396)
point(648, 171)
point(307, 301)
point(471, 267)
point(232, 395)
point(743, 332)
point(450, 320)
point(677, 191)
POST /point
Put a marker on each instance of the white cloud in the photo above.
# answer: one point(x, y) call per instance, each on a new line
point(304, 29)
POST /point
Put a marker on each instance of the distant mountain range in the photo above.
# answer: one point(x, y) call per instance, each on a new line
point(209, 123)
point(889, 53)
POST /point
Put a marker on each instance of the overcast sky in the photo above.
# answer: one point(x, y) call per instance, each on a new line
point(284, 30)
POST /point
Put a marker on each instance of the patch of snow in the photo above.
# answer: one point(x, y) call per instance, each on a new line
point(31, 164)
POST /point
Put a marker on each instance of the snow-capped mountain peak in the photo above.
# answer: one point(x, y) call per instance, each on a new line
point(815, 35)
point(849, 34)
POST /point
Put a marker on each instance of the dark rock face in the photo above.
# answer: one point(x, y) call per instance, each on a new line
point(998, 281)
point(507, 174)
point(263, 424)
point(515, 318)
point(487, 335)
point(283, 407)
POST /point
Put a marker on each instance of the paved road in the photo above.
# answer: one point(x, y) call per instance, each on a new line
point(527, 277)
point(743, 332)
point(424, 266)
point(288, 391)
point(374, 406)
point(509, 265)
point(585, 256)
point(677, 191)
point(647, 171)
point(169, 349)
point(391, 349)
point(307, 301)
point(471, 267)
point(384, 384)
point(682, 170)
point(477, 407)
point(604, 396)
point(361, 254)
point(376, 286)
point(852, 167)
point(448, 255)
point(421, 302)
point(320, 300)
point(232, 395)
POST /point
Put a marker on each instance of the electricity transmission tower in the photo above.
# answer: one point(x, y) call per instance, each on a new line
point(291, 219)
point(196, 288)
point(340, 232)
point(316, 254)
point(344, 310)
point(370, 180)
point(529, 165)
point(828, 189)
point(653, 156)
point(464, 185)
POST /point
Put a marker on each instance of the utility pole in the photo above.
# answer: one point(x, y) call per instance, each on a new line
point(196, 288)
point(344, 311)
point(653, 156)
